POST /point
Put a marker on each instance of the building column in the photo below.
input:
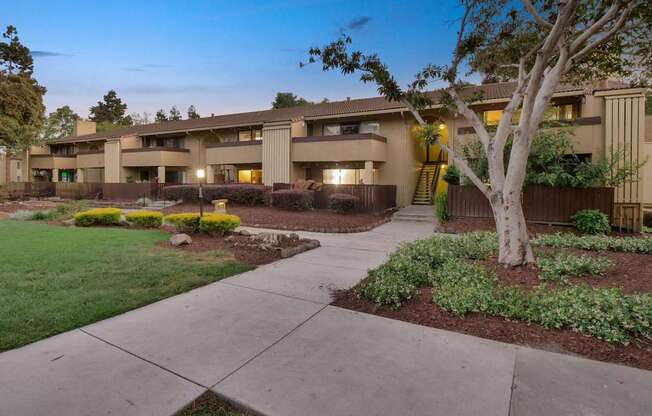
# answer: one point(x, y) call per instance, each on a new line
point(80, 176)
point(112, 161)
point(55, 175)
point(210, 174)
point(368, 173)
point(161, 174)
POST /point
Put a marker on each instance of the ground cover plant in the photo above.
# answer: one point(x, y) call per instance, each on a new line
point(53, 279)
point(98, 216)
point(461, 284)
point(61, 212)
point(596, 242)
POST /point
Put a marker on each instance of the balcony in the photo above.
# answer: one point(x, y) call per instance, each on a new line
point(155, 156)
point(231, 153)
point(340, 148)
point(90, 159)
point(49, 161)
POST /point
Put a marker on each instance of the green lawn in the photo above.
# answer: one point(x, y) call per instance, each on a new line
point(54, 278)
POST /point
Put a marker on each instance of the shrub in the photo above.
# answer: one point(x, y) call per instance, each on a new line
point(60, 212)
point(342, 202)
point(98, 216)
point(146, 219)
point(563, 265)
point(462, 287)
point(591, 221)
point(237, 194)
point(293, 200)
point(441, 207)
point(596, 242)
point(395, 281)
point(452, 175)
point(185, 222)
point(218, 223)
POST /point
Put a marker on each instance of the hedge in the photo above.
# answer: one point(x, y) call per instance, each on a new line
point(237, 194)
point(219, 224)
point(98, 216)
point(342, 203)
point(293, 200)
point(184, 223)
point(146, 219)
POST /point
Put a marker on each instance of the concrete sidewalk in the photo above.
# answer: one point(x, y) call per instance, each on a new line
point(268, 340)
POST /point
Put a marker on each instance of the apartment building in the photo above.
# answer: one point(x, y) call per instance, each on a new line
point(361, 141)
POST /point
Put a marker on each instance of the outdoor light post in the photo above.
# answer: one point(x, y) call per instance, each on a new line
point(200, 176)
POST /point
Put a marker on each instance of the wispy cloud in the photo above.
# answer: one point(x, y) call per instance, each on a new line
point(47, 54)
point(358, 23)
point(146, 67)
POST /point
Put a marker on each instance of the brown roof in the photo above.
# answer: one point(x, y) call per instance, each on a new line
point(489, 92)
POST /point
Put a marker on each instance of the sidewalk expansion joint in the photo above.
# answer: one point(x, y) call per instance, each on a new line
point(269, 292)
point(142, 358)
point(269, 346)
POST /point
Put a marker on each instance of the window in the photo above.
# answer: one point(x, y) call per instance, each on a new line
point(350, 128)
point(492, 117)
point(250, 176)
point(331, 129)
point(342, 176)
point(250, 134)
point(63, 150)
point(173, 142)
point(560, 112)
point(370, 127)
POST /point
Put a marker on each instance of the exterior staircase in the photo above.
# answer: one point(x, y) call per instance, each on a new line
point(425, 185)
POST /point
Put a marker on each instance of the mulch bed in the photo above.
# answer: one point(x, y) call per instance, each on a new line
point(32, 205)
point(253, 256)
point(421, 310)
point(316, 221)
point(459, 225)
point(210, 403)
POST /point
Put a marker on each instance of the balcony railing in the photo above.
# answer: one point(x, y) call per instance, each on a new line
point(340, 148)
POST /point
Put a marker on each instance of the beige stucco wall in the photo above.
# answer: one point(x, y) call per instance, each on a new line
point(155, 158)
point(340, 151)
point(90, 160)
point(276, 153)
point(39, 150)
point(112, 162)
point(52, 162)
point(3, 168)
point(225, 155)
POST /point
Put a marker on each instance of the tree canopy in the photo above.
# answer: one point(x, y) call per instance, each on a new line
point(21, 97)
point(192, 112)
point(59, 123)
point(288, 99)
point(111, 110)
point(160, 116)
point(175, 114)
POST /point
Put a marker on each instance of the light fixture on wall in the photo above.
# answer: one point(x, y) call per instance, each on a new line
point(201, 173)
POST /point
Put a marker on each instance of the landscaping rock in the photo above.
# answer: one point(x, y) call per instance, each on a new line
point(144, 201)
point(180, 240)
point(123, 221)
point(292, 251)
point(245, 233)
point(69, 223)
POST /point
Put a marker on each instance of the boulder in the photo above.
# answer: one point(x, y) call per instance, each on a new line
point(245, 233)
point(180, 240)
point(144, 201)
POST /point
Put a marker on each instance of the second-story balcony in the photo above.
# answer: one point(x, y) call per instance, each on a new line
point(233, 153)
point(53, 161)
point(340, 148)
point(90, 159)
point(155, 156)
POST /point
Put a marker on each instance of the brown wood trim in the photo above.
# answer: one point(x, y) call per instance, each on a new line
point(156, 149)
point(465, 130)
point(588, 121)
point(340, 137)
point(75, 155)
point(90, 152)
point(235, 144)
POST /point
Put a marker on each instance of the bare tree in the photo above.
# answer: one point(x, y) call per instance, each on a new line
point(536, 45)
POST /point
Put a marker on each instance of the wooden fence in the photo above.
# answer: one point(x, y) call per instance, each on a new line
point(371, 198)
point(76, 190)
point(540, 203)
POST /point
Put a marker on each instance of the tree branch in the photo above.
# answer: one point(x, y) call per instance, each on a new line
point(537, 17)
point(595, 27)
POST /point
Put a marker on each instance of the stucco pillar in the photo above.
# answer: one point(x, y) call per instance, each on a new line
point(80, 176)
point(161, 174)
point(368, 173)
point(112, 161)
point(55, 175)
point(210, 174)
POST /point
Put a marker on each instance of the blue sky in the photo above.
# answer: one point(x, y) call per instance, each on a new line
point(221, 56)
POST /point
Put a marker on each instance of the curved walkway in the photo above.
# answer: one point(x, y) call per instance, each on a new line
point(268, 340)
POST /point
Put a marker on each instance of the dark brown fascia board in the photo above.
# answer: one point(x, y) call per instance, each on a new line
point(50, 155)
point(581, 121)
point(339, 137)
point(235, 144)
point(155, 149)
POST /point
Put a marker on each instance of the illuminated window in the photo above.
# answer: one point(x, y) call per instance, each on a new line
point(331, 129)
point(492, 117)
point(342, 176)
point(561, 112)
point(244, 135)
point(250, 176)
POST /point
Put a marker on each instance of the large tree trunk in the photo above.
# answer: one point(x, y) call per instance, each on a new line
point(514, 247)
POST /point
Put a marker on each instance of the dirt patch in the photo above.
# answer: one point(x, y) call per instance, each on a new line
point(629, 272)
point(317, 220)
point(30, 205)
point(237, 246)
point(421, 310)
point(467, 224)
point(210, 403)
